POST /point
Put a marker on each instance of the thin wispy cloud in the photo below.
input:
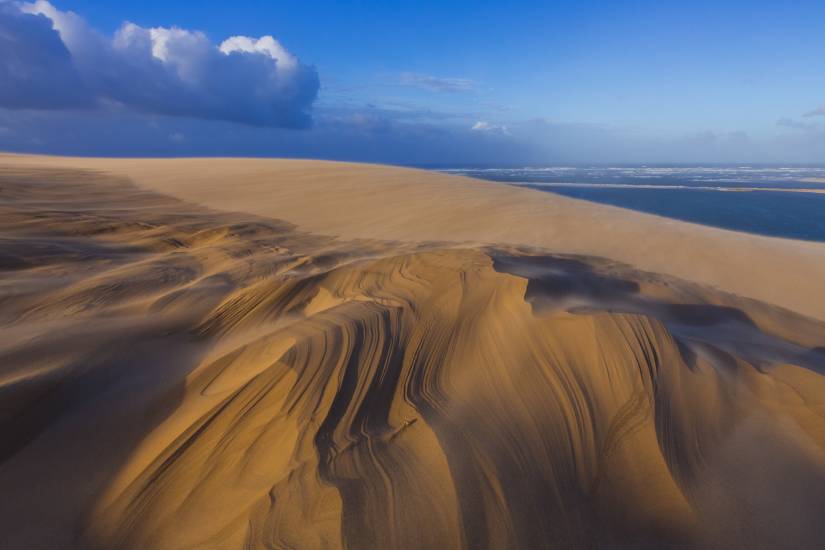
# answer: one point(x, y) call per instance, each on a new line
point(436, 84)
point(497, 107)
point(797, 124)
point(54, 60)
point(485, 127)
point(819, 111)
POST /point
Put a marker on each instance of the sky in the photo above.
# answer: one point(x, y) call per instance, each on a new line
point(416, 82)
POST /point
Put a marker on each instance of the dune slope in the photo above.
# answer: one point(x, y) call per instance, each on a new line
point(175, 376)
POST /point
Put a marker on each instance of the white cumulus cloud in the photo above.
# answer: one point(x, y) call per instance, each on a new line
point(265, 45)
point(51, 59)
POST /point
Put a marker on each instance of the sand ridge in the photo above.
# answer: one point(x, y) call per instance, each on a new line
point(179, 376)
point(358, 201)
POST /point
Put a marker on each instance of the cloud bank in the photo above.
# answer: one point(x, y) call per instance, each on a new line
point(53, 60)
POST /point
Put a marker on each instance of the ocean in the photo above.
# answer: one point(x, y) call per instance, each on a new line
point(756, 199)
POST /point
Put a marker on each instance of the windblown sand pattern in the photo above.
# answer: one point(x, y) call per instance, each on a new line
point(174, 376)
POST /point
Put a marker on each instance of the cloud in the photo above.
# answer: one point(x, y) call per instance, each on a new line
point(796, 124)
point(51, 60)
point(819, 111)
point(497, 107)
point(488, 128)
point(365, 122)
point(34, 63)
point(436, 84)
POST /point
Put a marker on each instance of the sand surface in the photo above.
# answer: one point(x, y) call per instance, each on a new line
point(357, 201)
point(296, 354)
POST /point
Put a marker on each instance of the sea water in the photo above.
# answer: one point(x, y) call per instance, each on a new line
point(756, 199)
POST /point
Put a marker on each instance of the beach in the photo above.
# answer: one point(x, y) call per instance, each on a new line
point(223, 353)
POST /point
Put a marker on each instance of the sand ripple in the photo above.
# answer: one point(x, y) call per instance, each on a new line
point(175, 377)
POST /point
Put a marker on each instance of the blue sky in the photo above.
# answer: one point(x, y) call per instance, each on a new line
point(426, 82)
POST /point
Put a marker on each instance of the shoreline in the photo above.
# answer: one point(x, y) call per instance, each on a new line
point(669, 187)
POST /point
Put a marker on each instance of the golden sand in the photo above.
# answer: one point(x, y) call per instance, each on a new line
point(296, 354)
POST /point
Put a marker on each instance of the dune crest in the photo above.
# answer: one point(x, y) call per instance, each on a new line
point(182, 377)
point(361, 201)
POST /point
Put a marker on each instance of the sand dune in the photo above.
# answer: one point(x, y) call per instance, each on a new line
point(288, 354)
point(358, 201)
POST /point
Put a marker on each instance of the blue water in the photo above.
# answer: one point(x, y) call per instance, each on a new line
point(741, 198)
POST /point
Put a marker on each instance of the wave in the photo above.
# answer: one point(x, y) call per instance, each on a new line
point(670, 187)
point(669, 174)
